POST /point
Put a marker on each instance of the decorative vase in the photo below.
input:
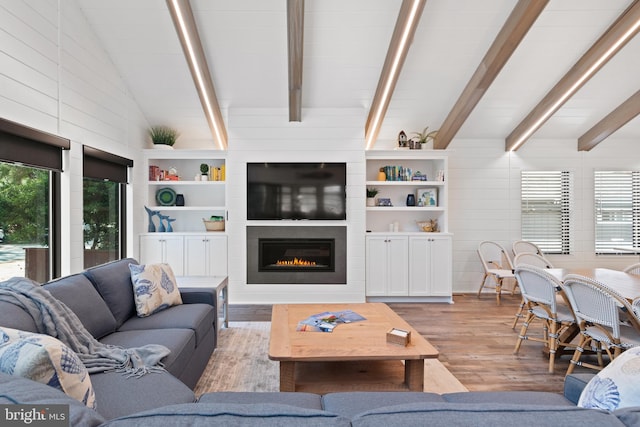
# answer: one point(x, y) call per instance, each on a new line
point(411, 200)
point(152, 227)
point(382, 176)
point(371, 201)
point(162, 147)
point(179, 199)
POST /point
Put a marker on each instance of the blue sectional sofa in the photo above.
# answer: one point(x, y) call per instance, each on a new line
point(102, 298)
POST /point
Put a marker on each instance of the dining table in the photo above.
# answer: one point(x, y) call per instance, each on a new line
point(626, 284)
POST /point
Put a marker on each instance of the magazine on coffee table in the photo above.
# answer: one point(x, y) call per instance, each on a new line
point(328, 320)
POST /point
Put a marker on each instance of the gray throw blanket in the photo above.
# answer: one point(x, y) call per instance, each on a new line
point(54, 318)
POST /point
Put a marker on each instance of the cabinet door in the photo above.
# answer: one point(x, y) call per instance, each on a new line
point(205, 255)
point(386, 273)
point(376, 265)
point(163, 248)
point(397, 271)
point(442, 265)
point(430, 266)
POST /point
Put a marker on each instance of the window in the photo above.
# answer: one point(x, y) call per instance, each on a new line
point(30, 169)
point(104, 205)
point(617, 210)
point(546, 209)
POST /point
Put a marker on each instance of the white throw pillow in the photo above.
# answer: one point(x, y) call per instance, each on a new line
point(616, 386)
point(46, 360)
point(154, 288)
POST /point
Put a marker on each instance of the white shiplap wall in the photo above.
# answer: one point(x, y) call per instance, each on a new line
point(331, 135)
point(55, 76)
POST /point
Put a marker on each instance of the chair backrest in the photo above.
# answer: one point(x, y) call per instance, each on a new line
point(494, 255)
point(524, 246)
point(633, 269)
point(537, 285)
point(592, 301)
point(532, 259)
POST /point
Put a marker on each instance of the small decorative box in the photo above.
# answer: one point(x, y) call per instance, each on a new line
point(398, 336)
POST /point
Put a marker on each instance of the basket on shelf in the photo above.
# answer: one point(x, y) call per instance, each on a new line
point(430, 226)
point(213, 225)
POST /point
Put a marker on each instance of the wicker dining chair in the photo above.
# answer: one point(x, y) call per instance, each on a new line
point(525, 246)
point(606, 319)
point(633, 269)
point(528, 258)
point(539, 292)
point(497, 267)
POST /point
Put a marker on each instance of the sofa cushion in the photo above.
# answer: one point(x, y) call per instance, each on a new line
point(120, 395)
point(181, 343)
point(299, 399)
point(616, 386)
point(226, 414)
point(198, 317)
point(113, 282)
point(516, 397)
point(18, 390)
point(154, 288)
point(481, 415)
point(77, 293)
point(349, 404)
point(574, 384)
point(13, 316)
point(46, 360)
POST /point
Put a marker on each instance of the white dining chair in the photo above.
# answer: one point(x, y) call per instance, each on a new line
point(525, 246)
point(606, 319)
point(497, 267)
point(528, 258)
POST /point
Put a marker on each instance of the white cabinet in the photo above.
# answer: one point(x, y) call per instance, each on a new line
point(430, 265)
point(387, 265)
point(404, 263)
point(163, 248)
point(205, 255)
point(189, 249)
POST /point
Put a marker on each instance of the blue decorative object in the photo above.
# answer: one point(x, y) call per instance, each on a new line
point(152, 226)
point(169, 227)
point(161, 227)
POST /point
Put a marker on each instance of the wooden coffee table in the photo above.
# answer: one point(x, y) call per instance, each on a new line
point(355, 356)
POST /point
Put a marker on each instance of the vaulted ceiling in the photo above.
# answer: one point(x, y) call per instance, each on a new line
point(345, 44)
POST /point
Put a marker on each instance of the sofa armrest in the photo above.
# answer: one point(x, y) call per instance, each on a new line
point(574, 384)
point(199, 296)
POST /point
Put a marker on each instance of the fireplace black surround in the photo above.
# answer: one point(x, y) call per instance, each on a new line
point(296, 255)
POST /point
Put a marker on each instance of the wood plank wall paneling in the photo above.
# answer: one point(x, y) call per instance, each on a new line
point(475, 341)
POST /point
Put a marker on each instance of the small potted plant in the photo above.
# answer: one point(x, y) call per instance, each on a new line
point(371, 194)
point(204, 170)
point(163, 137)
point(422, 138)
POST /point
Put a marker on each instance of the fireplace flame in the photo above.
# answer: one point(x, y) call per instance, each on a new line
point(296, 262)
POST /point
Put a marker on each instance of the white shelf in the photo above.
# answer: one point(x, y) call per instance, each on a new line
point(188, 208)
point(406, 208)
point(166, 183)
point(406, 183)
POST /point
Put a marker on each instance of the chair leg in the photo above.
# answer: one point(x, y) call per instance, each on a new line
point(553, 345)
point(523, 332)
point(575, 360)
point(518, 314)
point(498, 291)
point(484, 279)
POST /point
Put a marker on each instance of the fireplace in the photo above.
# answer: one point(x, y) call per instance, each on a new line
point(296, 255)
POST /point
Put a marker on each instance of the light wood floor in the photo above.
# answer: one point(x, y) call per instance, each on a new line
point(475, 341)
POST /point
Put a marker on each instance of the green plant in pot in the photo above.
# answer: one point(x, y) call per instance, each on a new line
point(371, 194)
point(204, 170)
point(422, 138)
point(163, 136)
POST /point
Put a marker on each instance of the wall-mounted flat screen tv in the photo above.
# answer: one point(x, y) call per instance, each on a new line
point(296, 191)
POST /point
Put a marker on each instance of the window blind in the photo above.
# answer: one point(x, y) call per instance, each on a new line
point(617, 210)
point(546, 209)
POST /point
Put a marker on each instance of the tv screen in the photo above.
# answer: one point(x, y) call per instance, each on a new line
point(296, 191)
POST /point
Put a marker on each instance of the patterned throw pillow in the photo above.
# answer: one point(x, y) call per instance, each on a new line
point(154, 288)
point(46, 360)
point(616, 386)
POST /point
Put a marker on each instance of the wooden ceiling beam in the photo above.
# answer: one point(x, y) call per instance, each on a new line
point(613, 121)
point(615, 38)
point(295, 43)
point(521, 19)
point(185, 23)
point(406, 24)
